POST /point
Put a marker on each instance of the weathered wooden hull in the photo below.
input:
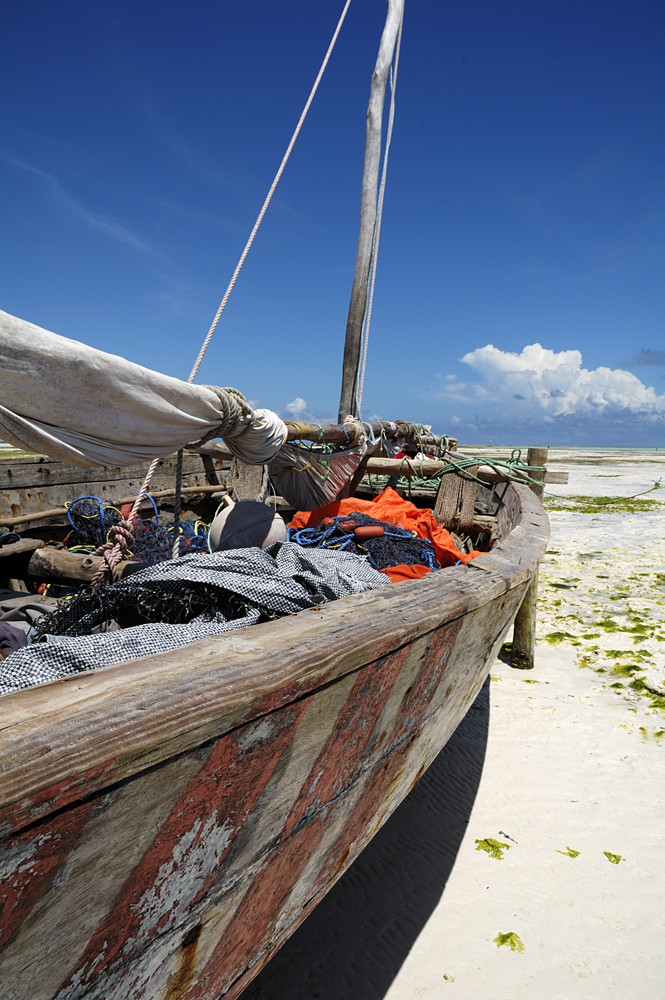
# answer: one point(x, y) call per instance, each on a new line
point(167, 823)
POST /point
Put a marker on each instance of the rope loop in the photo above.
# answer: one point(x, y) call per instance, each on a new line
point(112, 552)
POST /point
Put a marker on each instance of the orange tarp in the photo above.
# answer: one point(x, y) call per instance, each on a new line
point(390, 506)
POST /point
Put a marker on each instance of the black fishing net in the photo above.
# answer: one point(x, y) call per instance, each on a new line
point(391, 548)
point(194, 597)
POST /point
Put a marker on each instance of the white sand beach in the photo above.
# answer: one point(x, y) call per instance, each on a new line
point(529, 861)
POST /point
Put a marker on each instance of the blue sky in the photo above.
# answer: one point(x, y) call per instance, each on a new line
point(520, 295)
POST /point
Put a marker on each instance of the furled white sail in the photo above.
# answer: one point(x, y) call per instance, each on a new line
point(71, 402)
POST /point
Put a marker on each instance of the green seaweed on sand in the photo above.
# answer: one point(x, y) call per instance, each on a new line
point(608, 625)
point(494, 848)
point(511, 939)
point(656, 700)
point(626, 669)
point(569, 852)
point(657, 735)
point(614, 859)
point(597, 505)
point(554, 638)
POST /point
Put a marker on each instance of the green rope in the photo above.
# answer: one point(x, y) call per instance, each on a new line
point(514, 469)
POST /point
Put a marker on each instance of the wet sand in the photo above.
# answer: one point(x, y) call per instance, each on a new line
point(528, 862)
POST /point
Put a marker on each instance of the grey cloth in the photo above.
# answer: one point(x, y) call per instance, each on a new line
point(247, 585)
point(11, 638)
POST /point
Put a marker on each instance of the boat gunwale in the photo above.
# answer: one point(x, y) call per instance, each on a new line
point(88, 731)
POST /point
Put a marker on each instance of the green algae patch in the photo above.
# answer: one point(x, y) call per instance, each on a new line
point(511, 939)
point(614, 859)
point(657, 701)
point(597, 505)
point(608, 625)
point(494, 848)
point(646, 735)
point(626, 669)
point(554, 638)
point(569, 852)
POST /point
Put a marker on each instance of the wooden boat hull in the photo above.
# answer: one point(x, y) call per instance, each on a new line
point(167, 823)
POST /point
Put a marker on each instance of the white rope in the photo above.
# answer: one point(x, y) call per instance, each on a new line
point(279, 173)
point(115, 554)
point(379, 213)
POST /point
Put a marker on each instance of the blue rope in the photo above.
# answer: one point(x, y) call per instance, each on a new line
point(101, 512)
point(333, 536)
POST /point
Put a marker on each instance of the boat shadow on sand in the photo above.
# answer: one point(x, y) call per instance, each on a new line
point(356, 940)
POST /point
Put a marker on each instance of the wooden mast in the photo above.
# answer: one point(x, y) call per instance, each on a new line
point(368, 200)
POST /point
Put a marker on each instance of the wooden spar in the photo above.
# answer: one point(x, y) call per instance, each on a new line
point(368, 200)
point(397, 430)
point(344, 434)
point(524, 630)
point(432, 467)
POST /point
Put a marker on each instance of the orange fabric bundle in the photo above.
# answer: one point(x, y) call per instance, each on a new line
point(390, 506)
point(404, 572)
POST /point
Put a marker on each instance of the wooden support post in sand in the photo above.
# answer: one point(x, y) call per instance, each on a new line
point(524, 629)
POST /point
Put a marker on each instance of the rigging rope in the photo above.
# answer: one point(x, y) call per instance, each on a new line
point(268, 199)
point(379, 214)
point(112, 553)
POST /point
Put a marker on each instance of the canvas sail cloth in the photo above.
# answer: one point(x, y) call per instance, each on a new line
point(61, 398)
point(74, 403)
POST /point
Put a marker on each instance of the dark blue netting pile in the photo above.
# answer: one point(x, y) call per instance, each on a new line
point(92, 519)
point(393, 547)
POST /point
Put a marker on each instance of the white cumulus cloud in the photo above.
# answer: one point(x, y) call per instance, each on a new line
point(296, 408)
point(556, 384)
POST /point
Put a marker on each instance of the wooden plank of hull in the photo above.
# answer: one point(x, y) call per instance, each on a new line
point(190, 875)
point(33, 483)
point(167, 823)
